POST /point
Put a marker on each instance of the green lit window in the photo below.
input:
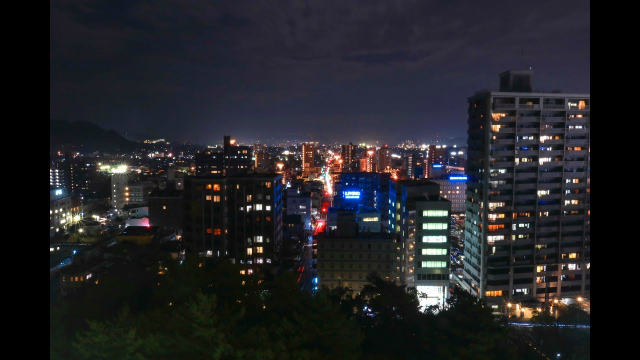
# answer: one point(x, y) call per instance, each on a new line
point(434, 264)
point(435, 213)
point(434, 251)
point(434, 239)
point(434, 226)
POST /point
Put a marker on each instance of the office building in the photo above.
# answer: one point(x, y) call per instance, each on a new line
point(437, 157)
point(431, 265)
point(453, 188)
point(346, 258)
point(527, 233)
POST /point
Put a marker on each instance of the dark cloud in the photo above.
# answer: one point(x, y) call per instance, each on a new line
point(398, 69)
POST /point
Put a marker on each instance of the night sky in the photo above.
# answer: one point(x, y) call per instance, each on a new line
point(315, 70)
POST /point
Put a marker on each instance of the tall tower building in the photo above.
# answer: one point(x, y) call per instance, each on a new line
point(527, 228)
point(384, 159)
point(349, 158)
point(308, 156)
point(437, 156)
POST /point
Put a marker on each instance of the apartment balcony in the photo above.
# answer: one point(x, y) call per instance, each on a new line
point(523, 252)
point(553, 142)
point(547, 239)
point(549, 207)
point(549, 186)
point(528, 119)
point(509, 141)
point(504, 107)
point(523, 207)
point(571, 185)
point(576, 142)
point(528, 131)
point(553, 119)
point(577, 153)
point(505, 130)
point(529, 106)
point(551, 131)
point(574, 174)
point(574, 164)
point(553, 106)
point(496, 153)
point(551, 153)
point(549, 175)
point(525, 175)
point(547, 251)
point(572, 228)
point(501, 164)
point(526, 186)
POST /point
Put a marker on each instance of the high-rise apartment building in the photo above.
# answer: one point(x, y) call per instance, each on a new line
point(237, 159)
point(527, 228)
point(384, 159)
point(119, 190)
point(349, 158)
point(238, 217)
point(308, 156)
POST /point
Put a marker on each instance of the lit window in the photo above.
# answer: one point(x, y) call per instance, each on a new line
point(434, 264)
point(249, 251)
point(216, 187)
point(434, 239)
point(259, 238)
point(434, 226)
point(435, 213)
point(493, 293)
point(434, 251)
point(258, 249)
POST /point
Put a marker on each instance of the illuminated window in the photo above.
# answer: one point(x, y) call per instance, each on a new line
point(249, 251)
point(258, 207)
point(541, 268)
point(208, 197)
point(434, 239)
point(495, 227)
point(209, 231)
point(434, 226)
point(217, 231)
point(216, 198)
point(434, 251)
point(267, 208)
point(434, 264)
point(208, 187)
point(216, 187)
point(493, 293)
point(573, 255)
point(259, 238)
point(258, 249)
point(435, 213)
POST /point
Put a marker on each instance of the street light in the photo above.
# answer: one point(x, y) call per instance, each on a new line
point(580, 299)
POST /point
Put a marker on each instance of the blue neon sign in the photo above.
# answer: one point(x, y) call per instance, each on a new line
point(458, 178)
point(351, 194)
point(437, 166)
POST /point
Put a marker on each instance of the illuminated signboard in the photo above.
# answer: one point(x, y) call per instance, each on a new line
point(437, 166)
point(351, 194)
point(458, 178)
point(58, 192)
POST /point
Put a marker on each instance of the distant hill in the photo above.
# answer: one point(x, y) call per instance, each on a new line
point(84, 136)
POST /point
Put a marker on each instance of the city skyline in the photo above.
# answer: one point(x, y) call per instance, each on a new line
point(199, 72)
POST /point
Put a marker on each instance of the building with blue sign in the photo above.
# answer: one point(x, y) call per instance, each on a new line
point(363, 189)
